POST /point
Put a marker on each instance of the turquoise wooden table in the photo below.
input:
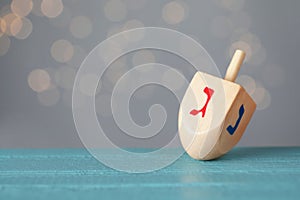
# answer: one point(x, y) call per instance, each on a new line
point(244, 173)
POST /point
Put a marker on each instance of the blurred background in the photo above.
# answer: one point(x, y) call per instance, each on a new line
point(43, 42)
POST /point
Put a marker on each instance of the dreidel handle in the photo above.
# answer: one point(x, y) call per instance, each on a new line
point(235, 65)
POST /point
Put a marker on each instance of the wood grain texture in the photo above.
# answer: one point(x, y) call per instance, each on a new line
point(207, 138)
point(244, 173)
point(235, 65)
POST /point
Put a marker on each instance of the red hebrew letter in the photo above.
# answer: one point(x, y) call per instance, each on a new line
point(209, 92)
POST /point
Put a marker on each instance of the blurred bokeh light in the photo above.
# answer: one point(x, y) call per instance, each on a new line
point(21, 7)
point(234, 27)
point(59, 34)
point(52, 8)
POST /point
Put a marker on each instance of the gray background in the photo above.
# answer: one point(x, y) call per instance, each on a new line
point(26, 123)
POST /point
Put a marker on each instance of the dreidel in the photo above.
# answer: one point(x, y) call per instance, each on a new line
point(214, 113)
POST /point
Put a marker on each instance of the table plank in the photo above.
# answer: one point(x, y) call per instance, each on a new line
point(244, 173)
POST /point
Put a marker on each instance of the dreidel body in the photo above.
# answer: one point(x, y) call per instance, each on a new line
point(214, 113)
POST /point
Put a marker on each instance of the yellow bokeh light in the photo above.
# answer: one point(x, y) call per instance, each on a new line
point(252, 40)
point(52, 8)
point(243, 46)
point(173, 12)
point(21, 7)
point(16, 26)
point(249, 42)
point(62, 51)
point(7, 21)
point(2, 26)
point(39, 80)
point(21, 28)
point(4, 44)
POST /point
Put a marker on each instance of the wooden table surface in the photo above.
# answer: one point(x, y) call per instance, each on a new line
point(244, 173)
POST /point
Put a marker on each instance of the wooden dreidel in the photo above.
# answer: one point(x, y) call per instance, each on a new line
point(214, 113)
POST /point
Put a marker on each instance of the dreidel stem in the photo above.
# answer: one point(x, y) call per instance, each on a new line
point(235, 65)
